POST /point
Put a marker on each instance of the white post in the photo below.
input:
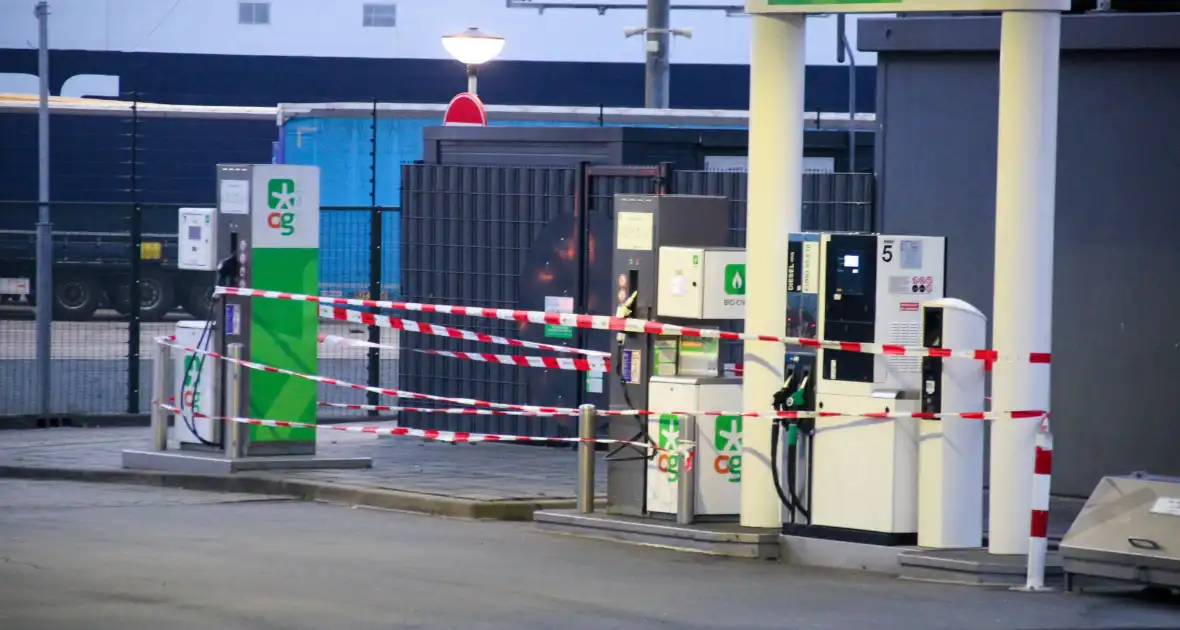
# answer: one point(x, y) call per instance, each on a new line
point(1026, 181)
point(774, 203)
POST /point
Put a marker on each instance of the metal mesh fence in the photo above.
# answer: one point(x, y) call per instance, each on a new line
point(98, 366)
point(468, 233)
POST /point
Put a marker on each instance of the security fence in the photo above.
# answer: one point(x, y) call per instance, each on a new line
point(534, 238)
point(100, 351)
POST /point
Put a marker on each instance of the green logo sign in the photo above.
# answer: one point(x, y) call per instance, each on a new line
point(280, 196)
point(727, 435)
point(735, 279)
point(668, 439)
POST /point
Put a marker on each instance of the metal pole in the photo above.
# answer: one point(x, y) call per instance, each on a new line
point(658, 36)
point(773, 211)
point(686, 481)
point(133, 291)
point(472, 78)
point(162, 390)
point(1026, 188)
point(235, 432)
point(376, 230)
point(845, 47)
point(587, 430)
point(44, 289)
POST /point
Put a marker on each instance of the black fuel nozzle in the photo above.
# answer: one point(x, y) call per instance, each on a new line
point(781, 399)
point(228, 270)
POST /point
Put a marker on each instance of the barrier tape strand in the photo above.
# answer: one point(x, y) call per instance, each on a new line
point(620, 324)
point(431, 434)
point(397, 323)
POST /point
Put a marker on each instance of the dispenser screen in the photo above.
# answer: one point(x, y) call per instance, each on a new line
point(849, 279)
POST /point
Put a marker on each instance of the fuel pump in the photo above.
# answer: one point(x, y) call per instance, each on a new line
point(263, 234)
point(697, 285)
point(861, 474)
point(643, 225)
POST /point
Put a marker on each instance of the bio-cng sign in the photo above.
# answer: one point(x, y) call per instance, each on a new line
point(284, 200)
point(733, 289)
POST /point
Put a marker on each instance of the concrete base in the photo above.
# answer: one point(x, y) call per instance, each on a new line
point(195, 462)
point(723, 539)
point(840, 554)
point(974, 566)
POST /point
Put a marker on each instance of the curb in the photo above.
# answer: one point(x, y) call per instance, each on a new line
point(243, 483)
point(71, 421)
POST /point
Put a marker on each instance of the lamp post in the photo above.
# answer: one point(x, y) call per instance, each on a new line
point(473, 48)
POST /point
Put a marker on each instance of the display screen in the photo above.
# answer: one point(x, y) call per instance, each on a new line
point(194, 232)
point(849, 279)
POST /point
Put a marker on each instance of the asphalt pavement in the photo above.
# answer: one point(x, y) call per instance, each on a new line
point(96, 557)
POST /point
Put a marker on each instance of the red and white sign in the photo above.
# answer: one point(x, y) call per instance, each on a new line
point(909, 307)
point(465, 110)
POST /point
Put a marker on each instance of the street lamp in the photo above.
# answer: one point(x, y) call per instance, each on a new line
point(473, 48)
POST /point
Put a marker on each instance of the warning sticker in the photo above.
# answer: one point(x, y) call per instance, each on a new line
point(912, 285)
point(233, 321)
point(631, 367)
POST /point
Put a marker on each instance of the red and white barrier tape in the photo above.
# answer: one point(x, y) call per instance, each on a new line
point(397, 393)
point(385, 321)
point(1038, 542)
point(442, 436)
point(781, 415)
point(619, 324)
point(557, 363)
point(459, 411)
point(564, 411)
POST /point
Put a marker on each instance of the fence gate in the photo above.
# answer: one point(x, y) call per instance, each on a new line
point(534, 238)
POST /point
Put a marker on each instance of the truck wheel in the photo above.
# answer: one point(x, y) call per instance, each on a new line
point(196, 300)
point(156, 296)
point(75, 296)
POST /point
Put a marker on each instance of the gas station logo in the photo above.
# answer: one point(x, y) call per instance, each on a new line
point(735, 279)
point(668, 439)
point(282, 199)
point(728, 438)
point(190, 397)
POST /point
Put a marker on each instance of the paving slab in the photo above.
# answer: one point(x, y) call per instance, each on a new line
point(498, 481)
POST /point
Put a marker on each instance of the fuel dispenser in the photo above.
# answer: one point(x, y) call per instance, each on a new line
point(697, 284)
point(854, 478)
point(644, 226)
point(264, 234)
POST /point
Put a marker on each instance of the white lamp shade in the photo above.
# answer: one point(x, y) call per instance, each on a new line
point(473, 47)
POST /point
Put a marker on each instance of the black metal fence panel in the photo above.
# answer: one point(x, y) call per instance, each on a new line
point(468, 234)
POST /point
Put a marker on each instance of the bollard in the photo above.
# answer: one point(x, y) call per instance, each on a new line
point(161, 390)
point(235, 440)
point(1038, 541)
point(686, 481)
point(587, 431)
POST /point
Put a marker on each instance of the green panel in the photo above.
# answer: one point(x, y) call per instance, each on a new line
point(284, 334)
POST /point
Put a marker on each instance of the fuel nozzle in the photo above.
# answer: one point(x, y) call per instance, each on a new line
point(624, 311)
point(781, 399)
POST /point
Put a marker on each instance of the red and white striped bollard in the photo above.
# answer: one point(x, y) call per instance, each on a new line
point(1038, 542)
